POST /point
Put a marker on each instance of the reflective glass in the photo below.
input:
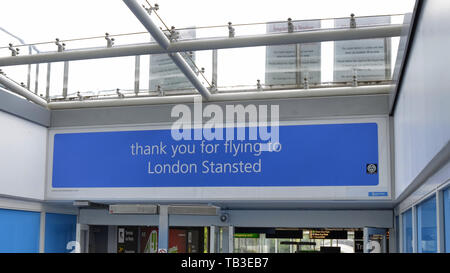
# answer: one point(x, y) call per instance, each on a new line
point(407, 231)
point(397, 232)
point(290, 66)
point(447, 219)
point(426, 226)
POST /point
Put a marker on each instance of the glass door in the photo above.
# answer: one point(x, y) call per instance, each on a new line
point(375, 240)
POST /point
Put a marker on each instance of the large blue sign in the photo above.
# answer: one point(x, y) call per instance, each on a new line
point(307, 155)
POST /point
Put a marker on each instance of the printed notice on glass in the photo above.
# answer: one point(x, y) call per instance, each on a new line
point(282, 65)
point(369, 59)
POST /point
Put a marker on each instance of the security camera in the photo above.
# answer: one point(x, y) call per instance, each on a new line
point(224, 217)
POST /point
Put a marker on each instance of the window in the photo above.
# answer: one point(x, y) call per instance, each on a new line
point(19, 231)
point(407, 231)
point(397, 232)
point(447, 219)
point(427, 226)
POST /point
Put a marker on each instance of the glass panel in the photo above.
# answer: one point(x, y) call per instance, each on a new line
point(294, 66)
point(290, 64)
point(368, 59)
point(241, 67)
point(18, 73)
point(447, 219)
point(60, 229)
point(240, 13)
point(426, 226)
point(19, 231)
point(397, 233)
point(166, 75)
point(101, 77)
point(407, 231)
point(57, 79)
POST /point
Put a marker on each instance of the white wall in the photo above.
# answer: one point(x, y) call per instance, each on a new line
point(23, 147)
point(422, 116)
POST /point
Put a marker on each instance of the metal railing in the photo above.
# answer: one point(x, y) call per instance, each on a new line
point(48, 72)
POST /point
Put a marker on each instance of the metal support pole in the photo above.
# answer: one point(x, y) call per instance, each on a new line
point(149, 73)
point(212, 239)
point(214, 69)
point(21, 90)
point(230, 239)
point(190, 74)
point(163, 228)
point(65, 79)
point(227, 96)
point(29, 77)
point(387, 56)
point(393, 239)
point(366, 239)
point(164, 42)
point(298, 65)
point(440, 222)
point(414, 230)
point(42, 232)
point(225, 240)
point(78, 231)
point(137, 66)
point(112, 239)
point(311, 36)
point(36, 81)
point(47, 88)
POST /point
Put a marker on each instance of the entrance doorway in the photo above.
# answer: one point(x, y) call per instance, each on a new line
point(298, 240)
point(144, 239)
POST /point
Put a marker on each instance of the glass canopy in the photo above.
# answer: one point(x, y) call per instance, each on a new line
point(32, 26)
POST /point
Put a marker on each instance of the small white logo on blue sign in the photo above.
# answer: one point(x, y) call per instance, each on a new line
point(371, 168)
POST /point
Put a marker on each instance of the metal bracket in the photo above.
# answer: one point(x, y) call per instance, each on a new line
point(213, 88)
point(61, 47)
point(80, 97)
point(305, 83)
point(173, 34)
point(290, 26)
point(119, 94)
point(150, 9)
point(231, 30)
point(355, 78)
point(198, 71)
point(14, 51)
point(109, 40)
point(160, 91)
point(352, 21)
point(258, 85)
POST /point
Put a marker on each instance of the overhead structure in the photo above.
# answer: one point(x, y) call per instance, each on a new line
point(164, 42)
point(229, 96)
point(20, 90)
point(310, 36)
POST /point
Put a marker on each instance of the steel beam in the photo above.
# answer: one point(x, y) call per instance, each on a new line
point(321, 35)
point(18, 89)
point(231, 96)
point(164, 42)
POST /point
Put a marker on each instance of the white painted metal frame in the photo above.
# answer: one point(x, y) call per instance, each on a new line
point(230, 96)
point(312, 36)
point(16, 88)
